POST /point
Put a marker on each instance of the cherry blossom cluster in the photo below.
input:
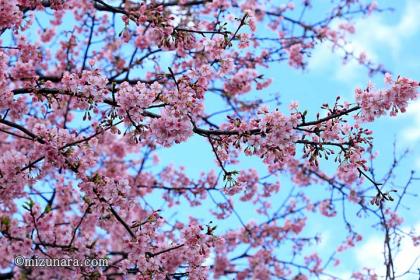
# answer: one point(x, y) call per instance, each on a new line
point(375, 103)
point(91, 84)
point(11, 16)
point(134, 99)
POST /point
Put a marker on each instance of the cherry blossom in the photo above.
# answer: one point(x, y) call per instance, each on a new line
point(94, 91)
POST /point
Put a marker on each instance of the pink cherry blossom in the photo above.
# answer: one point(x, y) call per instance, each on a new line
point(96, 95)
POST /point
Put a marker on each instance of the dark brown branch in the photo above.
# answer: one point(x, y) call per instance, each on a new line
point(122, 222)
point(23, 129)
point(330, 117)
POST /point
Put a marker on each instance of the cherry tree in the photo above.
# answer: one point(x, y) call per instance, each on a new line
point(91, 90)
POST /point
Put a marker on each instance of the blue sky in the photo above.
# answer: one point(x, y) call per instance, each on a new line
point(391, 38)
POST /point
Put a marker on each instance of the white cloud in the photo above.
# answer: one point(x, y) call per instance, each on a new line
point(412, 133)
point(373, 35)
point(323, 60)
point(325, 240)
point(370, 254)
